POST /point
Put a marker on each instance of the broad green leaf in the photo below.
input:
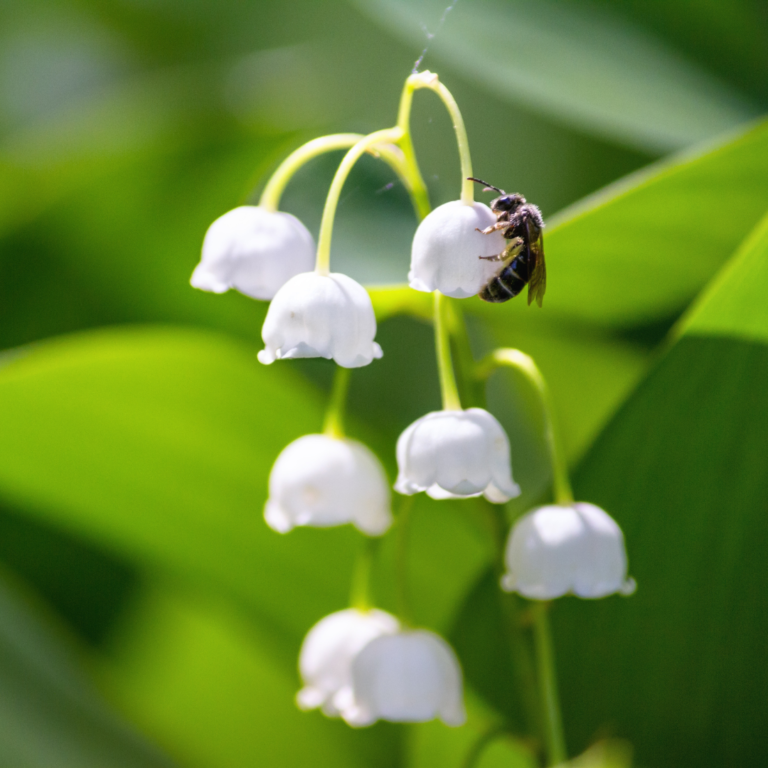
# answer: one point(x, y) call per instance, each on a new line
point(50, 713)
point(677, 669)
point(157, 444)
point(192, 672)
point(577, 63)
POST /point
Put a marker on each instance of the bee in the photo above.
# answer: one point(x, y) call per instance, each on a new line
point(523, 258)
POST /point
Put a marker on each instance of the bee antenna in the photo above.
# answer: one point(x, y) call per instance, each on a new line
point(488, 187)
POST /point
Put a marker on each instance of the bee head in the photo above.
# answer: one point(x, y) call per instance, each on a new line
point(507, 203)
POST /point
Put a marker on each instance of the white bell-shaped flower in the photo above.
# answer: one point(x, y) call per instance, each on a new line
point(315, 315)
point(561, 549)
point(456, 454)
point(446, 250)
point(254, 251)
point(322, 481)
point(409, 677)
point(325, 660)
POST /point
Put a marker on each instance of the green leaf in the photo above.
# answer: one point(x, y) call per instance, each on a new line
point(678, 668)
point(194, 674)
point(577, 63)
point(50, 714)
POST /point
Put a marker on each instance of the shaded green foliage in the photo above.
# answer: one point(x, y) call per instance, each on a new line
point(135, 447)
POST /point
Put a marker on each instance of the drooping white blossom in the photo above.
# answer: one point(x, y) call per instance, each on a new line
point(325, 660)
point(315, 315)
point(446, 250)
point(254, 251)
point(322, 481)
point(456, 454)
point(560, 549)
point(409, 677)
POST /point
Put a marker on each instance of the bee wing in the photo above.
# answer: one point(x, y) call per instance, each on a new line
point(538, 282)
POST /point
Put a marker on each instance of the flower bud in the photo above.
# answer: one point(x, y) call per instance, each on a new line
point(446, 250)
point(316, 315)
point(557, 549)
point(456, 454)
point(409, 677)
point(322, 481)
point(325, 660)
point(254, 251)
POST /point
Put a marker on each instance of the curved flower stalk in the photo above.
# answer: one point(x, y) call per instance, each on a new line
point(447, 247)
point(566, 549)
point(327, 653)
point(409, 677)
point(456, 454)
point(322, 481)
point(316, 315)
point(253, 250)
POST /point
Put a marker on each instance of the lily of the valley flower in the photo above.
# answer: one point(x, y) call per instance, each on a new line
point(409, 677)
point(315, 315)
point(322, 481)
point(560, 549)
point(456, 454)
point(446, 250)
point(255, 251)
point(325, 661)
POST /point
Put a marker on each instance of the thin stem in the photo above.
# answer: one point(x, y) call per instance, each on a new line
point(401, 561)
point(520, 651)
point(448, 387)
point(360, 594)
point(334, 415)
point(476, 750)
point(389, 135)
point(430, 80)
point(514, 358)
point(545, 661)
point(270, 197)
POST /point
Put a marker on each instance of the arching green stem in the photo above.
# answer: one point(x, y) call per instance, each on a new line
point(431, 81)
point(472, 757)
point(514, 358)
point(448, 388)
point(389, 135)
point(270, 197)
point(334, 415)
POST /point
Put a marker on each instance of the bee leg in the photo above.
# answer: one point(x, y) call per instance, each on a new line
point(508, 253)
point(493, 227)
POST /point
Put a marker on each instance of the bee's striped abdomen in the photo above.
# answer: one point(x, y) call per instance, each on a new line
point(509, 282)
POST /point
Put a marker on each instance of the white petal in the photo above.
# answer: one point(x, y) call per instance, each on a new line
point(328, 651)
point(446, 250)
point(456, 454)
point(556, 550)
point(322, 481)
point(327, 316)
point(254, 251)
point(412, 676)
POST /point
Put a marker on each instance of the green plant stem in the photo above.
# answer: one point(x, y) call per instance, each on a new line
point(472, 757)
point(402, 524)
point(514, 358)
point(392, 155)
point(388, 135)
point(545, 662)
point(431, 81)
point(334, 415)
point(520, 652)
point(270, 197)
point(448, 387)
point(360, 593)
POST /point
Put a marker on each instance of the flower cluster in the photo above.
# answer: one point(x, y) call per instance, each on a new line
point(363, 664)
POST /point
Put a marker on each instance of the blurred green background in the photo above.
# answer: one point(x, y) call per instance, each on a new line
point(147, 615)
